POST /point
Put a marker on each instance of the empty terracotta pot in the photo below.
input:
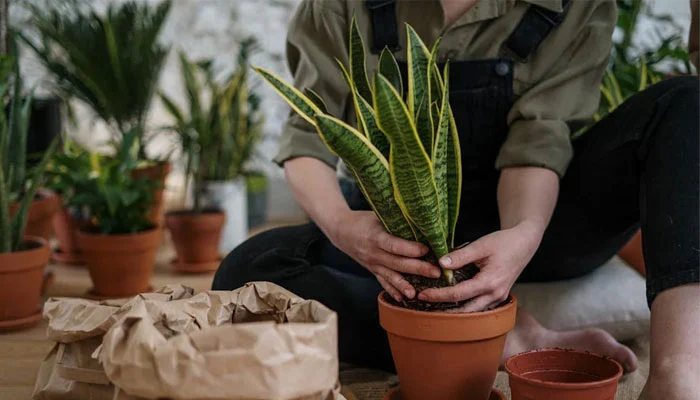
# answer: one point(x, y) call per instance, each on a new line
point(562, 374)
point(65, 227)
point(21, 280)
point(446, 356)
point(120, 265)
point(157, 173)
point(196, 238)
point(41, 212)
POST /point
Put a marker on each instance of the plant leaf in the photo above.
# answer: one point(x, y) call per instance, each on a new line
point(358, 71)
point(424, 125)
point(369, 124)
point(299, 103)
point(454, 178)
point(390, 69)
point(410, 167)
point(371, 170)
point(418, 57)
point(316, 99)
point(442, 136)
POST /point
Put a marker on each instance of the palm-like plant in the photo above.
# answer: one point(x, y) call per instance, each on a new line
point(13, 158)
point(218, 136)
point(111, 63)
point(405, 155)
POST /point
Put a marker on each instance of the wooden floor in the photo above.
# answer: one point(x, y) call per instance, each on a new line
point(21, 352)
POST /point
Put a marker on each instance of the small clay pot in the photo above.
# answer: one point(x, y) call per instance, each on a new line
point(156, 173)
point(562, 374)
point(21, 281)
point(446, 356)
point(65, 227)
point(40, 215)
point(120, 265)
point(196, 238)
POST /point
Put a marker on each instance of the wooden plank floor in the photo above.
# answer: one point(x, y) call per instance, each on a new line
point(21, 352)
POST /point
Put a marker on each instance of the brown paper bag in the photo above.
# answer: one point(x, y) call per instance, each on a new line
point(257, 342)
point(69, 372)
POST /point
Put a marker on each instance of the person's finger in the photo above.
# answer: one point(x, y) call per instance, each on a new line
point(468, 254)
point(406, 265)
point(480, 303)
point(400, 247)
point(389, 289)
point(464, 290)
point(396, 280)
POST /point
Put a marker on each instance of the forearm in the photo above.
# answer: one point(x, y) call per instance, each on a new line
point(527, 195)
point(316, 189)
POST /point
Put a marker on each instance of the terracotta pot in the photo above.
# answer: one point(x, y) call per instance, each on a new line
point(157, 173)
point(395, 394)
point(21, 281)
point(65, 227)
point(120, 265)
point(632, 254)
point(196, 238)
point(41, 212)
point(446, 356)
point(562, 374)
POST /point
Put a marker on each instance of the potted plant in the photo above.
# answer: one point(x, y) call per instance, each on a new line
point(65, 170)
point(111, 63)
point(409, 170)
point(22, 257)
point(118, 242)
point(256, 183)
point(196, 232)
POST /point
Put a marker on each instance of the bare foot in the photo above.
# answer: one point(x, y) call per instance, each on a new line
point(529, 334)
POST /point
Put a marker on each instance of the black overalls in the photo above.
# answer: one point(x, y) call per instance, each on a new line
point(639, 164)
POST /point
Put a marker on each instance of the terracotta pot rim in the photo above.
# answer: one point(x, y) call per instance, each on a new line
point(189, 213)
point(511, 302)
point(564, 385)
point(31, 239)
point(39, 256)
point(120, 235)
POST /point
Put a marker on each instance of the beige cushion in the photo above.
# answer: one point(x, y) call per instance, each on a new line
point(612, 298)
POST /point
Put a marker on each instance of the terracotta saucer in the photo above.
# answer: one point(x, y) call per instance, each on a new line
point(91, 295)
point(67, 258)
point(21, 323)
point(195, 268)
point(395, 394)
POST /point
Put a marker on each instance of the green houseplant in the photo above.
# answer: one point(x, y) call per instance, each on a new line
point(406, 158)
point(217, 137)
point(112, 64)
point(256, 183)
point(22, 257)
point(118, 241)
point(69, 165)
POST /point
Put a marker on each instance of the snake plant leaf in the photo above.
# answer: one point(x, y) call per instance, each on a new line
point(371, 170)
point(389, 68)
point(435, 81)
point(424, 125)
point(317, 100)
point(356, 96)
point(454, 178)
point(418, 57)
point(410, 167)
point(301, 104)
point(369, 123)
point(358, 70)
point(442, 136)
point(435, 113)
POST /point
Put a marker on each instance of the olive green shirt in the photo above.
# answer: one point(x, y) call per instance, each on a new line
point(557, 88)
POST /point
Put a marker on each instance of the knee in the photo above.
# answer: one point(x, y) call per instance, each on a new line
point(233, 271)
point(683, 91)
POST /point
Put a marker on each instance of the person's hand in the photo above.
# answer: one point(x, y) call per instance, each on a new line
point(362, 236)
point(500, 256)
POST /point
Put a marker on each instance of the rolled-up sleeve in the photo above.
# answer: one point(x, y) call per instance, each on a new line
point(316, 38)
point(565, 92)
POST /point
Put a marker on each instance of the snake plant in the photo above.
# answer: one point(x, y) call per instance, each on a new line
point(404, 151)
point(13, 158)
point(217, 136)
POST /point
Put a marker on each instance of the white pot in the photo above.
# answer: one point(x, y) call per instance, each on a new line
point(231, 198)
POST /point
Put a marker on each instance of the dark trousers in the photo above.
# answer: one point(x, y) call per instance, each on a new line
point(639, 165)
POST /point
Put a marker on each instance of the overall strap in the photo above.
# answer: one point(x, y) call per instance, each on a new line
point(533, 29)
point(385, 29)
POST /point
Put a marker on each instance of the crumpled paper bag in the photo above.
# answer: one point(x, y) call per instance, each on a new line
point(69, 372)
point(256, 342)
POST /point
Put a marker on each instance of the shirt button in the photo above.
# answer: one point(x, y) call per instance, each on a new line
point(502, 68)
